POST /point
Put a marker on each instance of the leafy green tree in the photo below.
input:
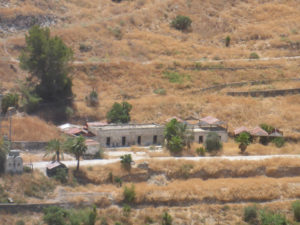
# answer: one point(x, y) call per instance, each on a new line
point(54, 146)
point(77, 147)
point(181, 23)
point(47, 60)
point(119, 113)
point(213, 142)
point(244, 139)
point(9, 100)
point(177, 136)
point(166, 219)
point(126, 161)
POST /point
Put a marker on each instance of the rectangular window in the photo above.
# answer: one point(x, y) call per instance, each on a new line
point(139, 140)
point(200, 139)
point(155, 139)
point(108, 141)
point(123, 141)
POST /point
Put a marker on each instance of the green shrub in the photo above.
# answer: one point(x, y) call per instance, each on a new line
point(278, 141)
point(9, 100)
point(92, 216)
point(185, 170)
point(296, 210)
point(166, 219)
point(85, 48)
point(227, 41)
point(55, 215)
point(213, 142)
point(175, 145)
point(126, 210)
point(117, 32)
point(27, 169)
point(254, 55)
point(160, 91)
point(118, 181)
point(244, 139)
point(272, 218)
point(174, 77)
point(129, 194)
point(92, 99)
point(250, 213)
point(181, 23)
point(119, 113)
point(20, 222)
point(200, 151)
point(126, 161)
point(268, 128)
point(61, 175)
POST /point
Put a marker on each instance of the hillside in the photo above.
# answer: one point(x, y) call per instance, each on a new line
point(128, 51)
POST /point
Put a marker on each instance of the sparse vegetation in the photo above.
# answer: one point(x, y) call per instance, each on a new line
point(92, 99)
point(200, 151)
point(250, 214)
point(227, 41)
point(166, 219)
point(296, 210)
point(254, 55)
point(9, 100)
point(129, 194)
point(182, 23)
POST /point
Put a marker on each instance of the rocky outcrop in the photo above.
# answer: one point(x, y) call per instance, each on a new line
point(24, 22)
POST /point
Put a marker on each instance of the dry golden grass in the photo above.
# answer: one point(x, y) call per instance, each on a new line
point(30, 128)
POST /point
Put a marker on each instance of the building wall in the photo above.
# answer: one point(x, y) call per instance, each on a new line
point(14, 164)
point(131, 136)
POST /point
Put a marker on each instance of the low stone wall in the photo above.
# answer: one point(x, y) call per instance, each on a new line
point(29, 145)
point(267, 93)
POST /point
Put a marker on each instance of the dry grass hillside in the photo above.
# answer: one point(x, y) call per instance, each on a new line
point(128, 51)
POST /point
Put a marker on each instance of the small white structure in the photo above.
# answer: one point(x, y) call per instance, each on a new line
point(14, 162)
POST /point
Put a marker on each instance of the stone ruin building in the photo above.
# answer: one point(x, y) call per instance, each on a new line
point(14, 162)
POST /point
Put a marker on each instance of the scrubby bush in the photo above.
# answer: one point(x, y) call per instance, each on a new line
point(278, 141)
point(55, 215)
point(9, 100)
point(213, 142)
point(166, 219)
point(254, 55)
point(92, 98)
point(185, 170)
point(20, 222)
point(126, 210)
point(61, 175)
point(160, 91)
point(296, 210)
point(126, 161)
point(272, 218)
point(129, 194)
point(227, 41)
point(181, 23)
point(200, 151)
point(250, 213)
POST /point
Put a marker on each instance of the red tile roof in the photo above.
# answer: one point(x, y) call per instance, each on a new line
point(258, 131)
point(241, 130)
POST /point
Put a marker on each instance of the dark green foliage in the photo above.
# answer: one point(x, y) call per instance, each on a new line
point(126, 161)
point(85, 48)
point(272, 218)
point(181, 23)
point(55, 215)
point(200, 151)
point(30, 100)
point(175, 135)
point(250, 214)
point(117, 1)
point(129, 194)
point(166, 219)
point(9, 100)
point(244, 139)
point(92, 99)
point(254, 55)
point(296, 210)
point(92, 216)
point(47, 60)
point(126, 210)
point(61, 175)
point(20, 222)
point(213, 142)
point(227, 41)
point(4, 148)
point(268, 128)
point(278, 141)
point(118, 181)
point(27, 169)
point(119, 113)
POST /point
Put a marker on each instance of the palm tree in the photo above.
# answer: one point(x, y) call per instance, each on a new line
point(77, 147)
point(244, 139)
point(54, 146)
